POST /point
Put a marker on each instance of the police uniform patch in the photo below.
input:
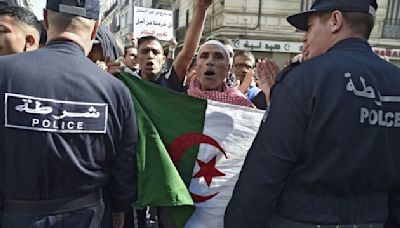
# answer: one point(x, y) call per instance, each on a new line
point(374, 117)
point(43, 114)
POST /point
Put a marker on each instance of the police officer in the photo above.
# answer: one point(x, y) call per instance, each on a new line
point(327, 153)
point(68, 131)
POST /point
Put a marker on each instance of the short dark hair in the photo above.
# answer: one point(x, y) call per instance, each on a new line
point(360, 23)
point(22, 15)
point(128, 47)
point(147, 38)
point(43, 33)
point(247, 54)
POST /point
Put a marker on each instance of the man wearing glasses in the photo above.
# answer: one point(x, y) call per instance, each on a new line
point(243, 64)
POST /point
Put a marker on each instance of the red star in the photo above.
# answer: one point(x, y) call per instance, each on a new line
point(208, 170)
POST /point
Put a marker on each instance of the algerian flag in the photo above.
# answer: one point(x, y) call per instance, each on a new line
point(190, 152)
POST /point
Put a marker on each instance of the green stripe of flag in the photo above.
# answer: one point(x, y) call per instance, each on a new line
point(162, 116)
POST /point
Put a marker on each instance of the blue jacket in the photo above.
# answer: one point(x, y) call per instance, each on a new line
point(328, 150)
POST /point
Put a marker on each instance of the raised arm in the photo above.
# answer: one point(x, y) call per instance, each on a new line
point(192, 38)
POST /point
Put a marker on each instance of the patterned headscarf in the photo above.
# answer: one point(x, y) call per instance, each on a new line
point(228, 95)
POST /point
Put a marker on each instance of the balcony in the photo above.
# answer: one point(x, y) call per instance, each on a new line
point(391, 29)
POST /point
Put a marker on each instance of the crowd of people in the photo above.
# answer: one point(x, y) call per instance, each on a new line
point(325, 154)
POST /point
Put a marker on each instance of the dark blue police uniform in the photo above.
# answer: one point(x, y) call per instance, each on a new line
point(327, 153)
point(68, 136)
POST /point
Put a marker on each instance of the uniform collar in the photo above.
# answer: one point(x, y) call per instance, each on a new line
point(65, 44)
point(351, 43)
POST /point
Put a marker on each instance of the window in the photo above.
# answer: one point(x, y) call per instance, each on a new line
point(176, 18)
point(187, 18)
point(391, 26)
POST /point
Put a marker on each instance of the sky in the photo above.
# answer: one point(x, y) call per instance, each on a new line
point(38, 6)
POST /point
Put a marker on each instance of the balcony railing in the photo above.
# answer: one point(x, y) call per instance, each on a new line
point(391, 29)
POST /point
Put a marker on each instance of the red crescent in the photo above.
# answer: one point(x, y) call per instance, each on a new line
point(181, 144)
point(201, 199)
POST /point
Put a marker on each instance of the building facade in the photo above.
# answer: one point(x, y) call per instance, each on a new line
point(260, 26)
point(117, 15)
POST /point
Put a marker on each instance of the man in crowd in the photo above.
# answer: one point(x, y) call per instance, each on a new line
point(68, 130)
point(130, 58)
point(243, 64)
point(327, 153)
point(151, 55)
point(19, 30)
point(212, 68)
point(231, 80)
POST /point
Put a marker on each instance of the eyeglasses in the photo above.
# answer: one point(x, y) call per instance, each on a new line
point(240, 65)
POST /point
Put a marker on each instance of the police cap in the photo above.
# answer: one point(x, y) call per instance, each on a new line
point(84, 8)
point(300, 20)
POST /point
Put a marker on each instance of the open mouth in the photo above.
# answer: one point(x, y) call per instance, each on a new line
point(149, 65)
point(209, 73)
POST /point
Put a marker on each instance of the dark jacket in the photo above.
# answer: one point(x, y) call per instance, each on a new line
point(67, 128)
point(327, 153)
